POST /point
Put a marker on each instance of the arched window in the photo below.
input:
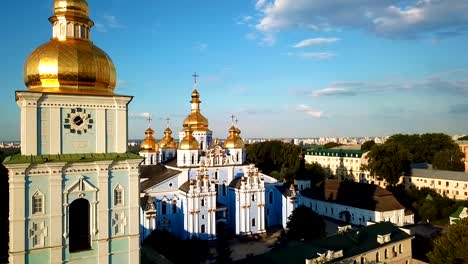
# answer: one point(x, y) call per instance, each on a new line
point(79, 230)
point(400, 248)
point(118, 195)
point(174, 207)
point(151, 159)
point(237, 156)
point(37, 203)
point(377, 257)
point(193, 159)
point(201, 145)
point(185, 159)
point(253, 221)
point(386, 253)
point(77, 30)
point(202, 202)
point(216, 175)
point(202, 229)
point(163, 207)
point(253, 197)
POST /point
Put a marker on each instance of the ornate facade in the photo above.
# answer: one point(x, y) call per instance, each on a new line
point(73, 189)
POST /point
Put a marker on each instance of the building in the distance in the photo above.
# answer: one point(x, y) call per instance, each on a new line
point(463, 144)
point(355, 203)
point(345, 164)
point(453, 184)
point(73, 190)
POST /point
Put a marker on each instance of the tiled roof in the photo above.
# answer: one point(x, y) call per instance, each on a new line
point(284, 189)
point(185, 187)
point(155, 174)
point(236, 183)
point(440, 174)
point(358, 195)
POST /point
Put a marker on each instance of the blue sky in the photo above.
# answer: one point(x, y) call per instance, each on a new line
point(286, 68)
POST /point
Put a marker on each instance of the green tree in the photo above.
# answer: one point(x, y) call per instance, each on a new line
point(452, 245)
point(366, 146)
point(463, 138)
point(389, 161)
point(449, 159)
point(305, 224)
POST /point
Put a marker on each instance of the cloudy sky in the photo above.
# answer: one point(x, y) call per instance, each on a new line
point(286, 68)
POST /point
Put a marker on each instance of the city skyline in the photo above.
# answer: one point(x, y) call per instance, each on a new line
point(389, 69)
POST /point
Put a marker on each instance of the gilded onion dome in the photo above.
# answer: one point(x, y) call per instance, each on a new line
point(70, 62)
point(195, 120)
point(149, 144)
point(189, 142)
point(234, 141)
point(168, 141)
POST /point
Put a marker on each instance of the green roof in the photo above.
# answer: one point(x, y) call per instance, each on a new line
point(86, 157)
point(351, 153)
point(457, 213)
point(353, 243)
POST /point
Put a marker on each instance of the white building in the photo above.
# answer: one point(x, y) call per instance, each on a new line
point(342, 163)
point(355, 203)
point(453, 184)
point(73, 189)
point(205, 186)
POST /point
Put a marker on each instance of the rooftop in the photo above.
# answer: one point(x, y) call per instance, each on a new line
point(440, 174)
point(152, 175)
point(351, 153)
point(352, 243)
point(358, 195)
point(86, 157)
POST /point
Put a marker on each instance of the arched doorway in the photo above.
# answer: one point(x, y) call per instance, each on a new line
point(79, 231)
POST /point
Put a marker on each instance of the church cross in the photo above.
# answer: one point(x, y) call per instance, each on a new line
point(149, 118)
point(232, 119)
point(167, 121)
point(195, 76)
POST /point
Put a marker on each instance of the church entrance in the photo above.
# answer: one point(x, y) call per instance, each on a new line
point(79, 231)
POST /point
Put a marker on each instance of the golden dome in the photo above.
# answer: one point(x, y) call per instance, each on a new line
point(149, 144)
point(195, 120)
point(77, 7)
point(189, 142)
point(234, 141)
point(168, 141)
point(70, 62)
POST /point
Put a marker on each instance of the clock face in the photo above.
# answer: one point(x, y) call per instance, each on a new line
point(78, 121)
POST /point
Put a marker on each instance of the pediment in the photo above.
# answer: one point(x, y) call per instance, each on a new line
point(80, 186)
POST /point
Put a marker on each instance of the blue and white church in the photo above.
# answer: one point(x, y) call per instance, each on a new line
point(199, 184)
point(73, 189)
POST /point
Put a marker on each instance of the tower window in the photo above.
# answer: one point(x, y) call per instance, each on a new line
point(253, 221)
point(118, 195)
point(38, 203)
point(163, 207)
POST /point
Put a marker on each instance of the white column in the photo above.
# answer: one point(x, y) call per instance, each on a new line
point(55, 202)
point(55, 140)
point(103, 211)
point(17, 213)
point(100, 125)
point(28, 104)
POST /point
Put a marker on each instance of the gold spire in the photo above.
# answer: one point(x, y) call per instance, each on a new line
point(189, 142)
point(149, 144)
point(167, 142)
point(70, 63)
point(195, 120)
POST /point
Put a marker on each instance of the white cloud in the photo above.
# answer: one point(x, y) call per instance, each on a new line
point(392, 18)
point(244, 20)
point(314, 41)
point(200, 46)
point(107, 22)
point(332, 91)
point(309, 111)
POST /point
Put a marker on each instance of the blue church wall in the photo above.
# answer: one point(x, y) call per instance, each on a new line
point(166, 186)
point(274, 205)
point(38, 256)
point(74, 141)
point(232, 214)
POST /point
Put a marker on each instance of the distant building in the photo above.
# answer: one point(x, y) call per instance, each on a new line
point(355, 203)
point(375, 243)
point(464, 148)
point(460, 213)
point(453, 184)
point(345, 164)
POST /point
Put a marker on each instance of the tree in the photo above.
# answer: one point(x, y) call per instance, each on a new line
point(389, 161)
point(451, 246)
point(449, 159)
point(366, 146)
point(463, 138)
point(305, 224)
point(223, 251)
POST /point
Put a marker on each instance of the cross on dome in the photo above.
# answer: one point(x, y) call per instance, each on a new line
point(149, 119)
point(195, 76)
